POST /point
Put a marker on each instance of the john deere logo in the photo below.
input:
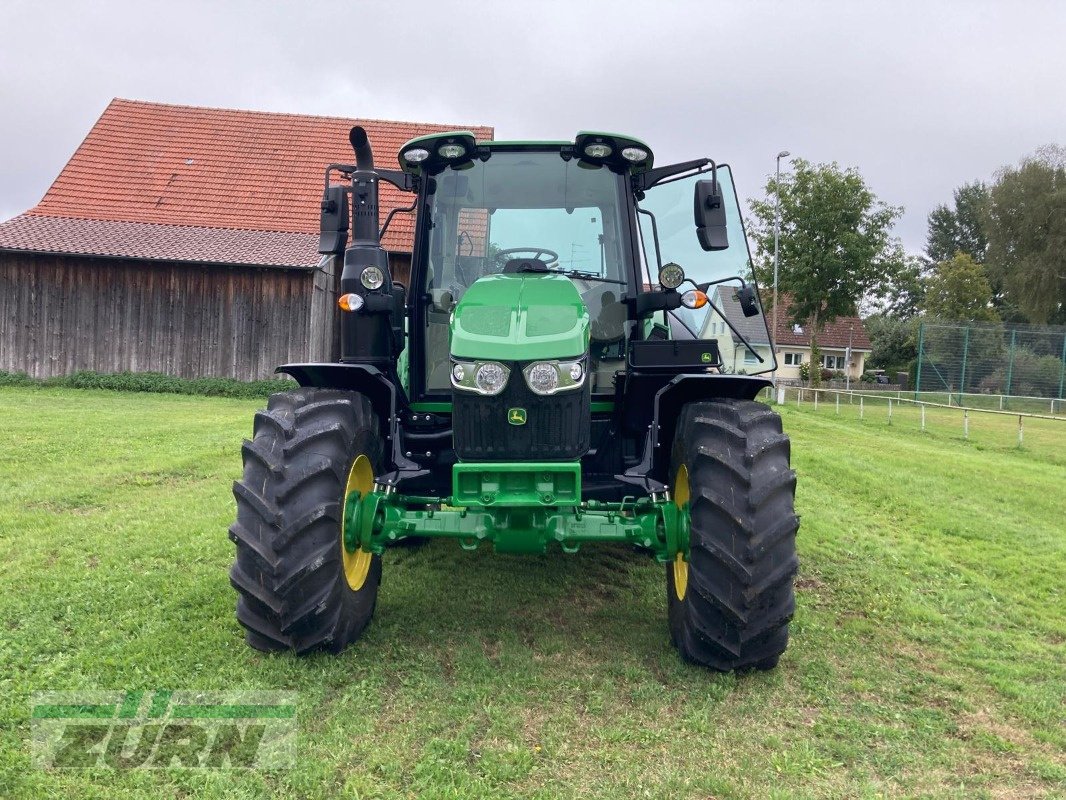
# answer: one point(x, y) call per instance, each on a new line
point(706, 358)
point(516, 416)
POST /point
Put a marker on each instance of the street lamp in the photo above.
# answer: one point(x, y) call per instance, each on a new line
point(777, 247)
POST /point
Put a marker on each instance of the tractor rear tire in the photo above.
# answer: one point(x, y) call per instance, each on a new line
point(730, 605)
point(293, 592)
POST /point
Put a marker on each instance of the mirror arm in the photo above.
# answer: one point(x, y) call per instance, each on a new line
point(654, 236)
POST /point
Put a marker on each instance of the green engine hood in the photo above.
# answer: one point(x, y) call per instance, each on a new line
point(520, 318)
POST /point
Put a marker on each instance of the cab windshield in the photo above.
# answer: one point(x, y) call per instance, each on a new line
point(532, 206)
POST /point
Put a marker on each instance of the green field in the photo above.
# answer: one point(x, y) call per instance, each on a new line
point(928, 654)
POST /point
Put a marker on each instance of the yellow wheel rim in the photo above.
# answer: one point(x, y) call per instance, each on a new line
point(357, 564)
point(681, 496)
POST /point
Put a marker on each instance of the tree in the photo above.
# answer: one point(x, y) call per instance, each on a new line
point(959, 229)
point(893, 342)
point(1025, 220)
point(958, 290)
point(835, 243)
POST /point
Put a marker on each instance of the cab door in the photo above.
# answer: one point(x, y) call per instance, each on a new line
point(674, 226)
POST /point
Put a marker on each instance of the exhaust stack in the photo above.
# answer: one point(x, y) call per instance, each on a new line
point(373, 334)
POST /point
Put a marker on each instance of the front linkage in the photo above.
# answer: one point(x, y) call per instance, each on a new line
point(520, 508)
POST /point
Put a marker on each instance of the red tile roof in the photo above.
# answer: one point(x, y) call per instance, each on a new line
point(159, 164)
point(836, 334)
point(145, 240)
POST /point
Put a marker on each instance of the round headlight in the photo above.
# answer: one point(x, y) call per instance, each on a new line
point(416, 155)
point(575, 371)
point(490, 378)
point(451, 151)
point(634, 154)
point(372, 278)
point(458, 373)
point(543, 378)
point(597, 150)
point(671, 276)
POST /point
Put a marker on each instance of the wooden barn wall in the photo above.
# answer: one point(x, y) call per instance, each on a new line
point(60, 314)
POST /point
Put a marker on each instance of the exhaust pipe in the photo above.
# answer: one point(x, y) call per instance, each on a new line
point(364, 191)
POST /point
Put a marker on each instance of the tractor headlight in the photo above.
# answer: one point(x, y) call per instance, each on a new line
point(671, 276)
point(543, 378)
point(481, 377)
point(372, 278)
point(549, 377)
point(416, 155)
point(491, 378)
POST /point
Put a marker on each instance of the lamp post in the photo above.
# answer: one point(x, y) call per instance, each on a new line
point(777, 247)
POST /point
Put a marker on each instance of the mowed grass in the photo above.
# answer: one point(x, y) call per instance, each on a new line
point(928, 655)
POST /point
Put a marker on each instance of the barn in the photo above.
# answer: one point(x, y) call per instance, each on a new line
point(183, 240)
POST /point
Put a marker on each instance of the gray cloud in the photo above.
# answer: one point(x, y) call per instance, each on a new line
point(920, 96)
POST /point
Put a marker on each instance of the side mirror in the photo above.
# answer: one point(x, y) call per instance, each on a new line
point(710, 216)
point(333, 222)
point(749, 303)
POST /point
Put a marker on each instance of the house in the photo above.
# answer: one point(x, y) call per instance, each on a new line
point(184, 240)
point(835, 340)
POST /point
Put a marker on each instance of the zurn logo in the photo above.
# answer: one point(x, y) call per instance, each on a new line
point(163, 730)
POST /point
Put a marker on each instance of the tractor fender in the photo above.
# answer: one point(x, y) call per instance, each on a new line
point(386, 396)
point(653, 406)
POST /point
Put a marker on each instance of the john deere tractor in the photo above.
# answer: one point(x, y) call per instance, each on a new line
point(576, 361)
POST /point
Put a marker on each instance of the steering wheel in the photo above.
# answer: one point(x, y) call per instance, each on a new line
point(537, 251)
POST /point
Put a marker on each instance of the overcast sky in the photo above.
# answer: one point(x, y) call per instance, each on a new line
point(920, 96)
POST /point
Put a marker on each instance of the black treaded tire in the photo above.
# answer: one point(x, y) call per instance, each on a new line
point(742, 560)
point(288, 573)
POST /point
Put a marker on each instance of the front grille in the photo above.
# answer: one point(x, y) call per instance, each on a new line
point(556, 429)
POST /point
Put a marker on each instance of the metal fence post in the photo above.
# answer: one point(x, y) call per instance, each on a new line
point(918, 373)
point(965, 353)
point(923, 416)
point(860, 406)
point(1021, 431)
point(966, 423)
point(1062, 367)
point(890, 411)
point(1010, 362)
point(838, 404)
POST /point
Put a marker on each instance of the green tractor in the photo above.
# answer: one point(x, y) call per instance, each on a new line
point(576, 360)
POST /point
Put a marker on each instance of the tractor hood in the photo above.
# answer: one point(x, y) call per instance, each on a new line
point(522, 317)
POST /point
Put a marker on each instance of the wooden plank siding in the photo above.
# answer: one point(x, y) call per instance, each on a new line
point(60, 314)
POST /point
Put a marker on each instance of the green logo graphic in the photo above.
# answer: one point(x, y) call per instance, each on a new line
point(516, 416)
point(163, 730)
point(706, 358)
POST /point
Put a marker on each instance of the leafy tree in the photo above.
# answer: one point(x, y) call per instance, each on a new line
point(835, 243)
point(1026, 225)
point(900, 294)
point(961, 228)
point(958, 290)
point(893, 342)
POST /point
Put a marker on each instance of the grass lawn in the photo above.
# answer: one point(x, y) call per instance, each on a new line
point(928, 654)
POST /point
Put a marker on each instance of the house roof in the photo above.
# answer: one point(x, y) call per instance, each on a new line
point(148, 241)
point(207, 169)
point(751, 328)
point(836, 334)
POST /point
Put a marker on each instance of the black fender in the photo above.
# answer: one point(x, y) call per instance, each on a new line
point(652, 406)
point(386, 396)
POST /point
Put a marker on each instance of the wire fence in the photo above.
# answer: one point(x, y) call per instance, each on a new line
point(996, 360)
point(1040, 434)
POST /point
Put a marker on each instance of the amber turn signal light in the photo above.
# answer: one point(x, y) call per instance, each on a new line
point(694, 299)
point(350, 302)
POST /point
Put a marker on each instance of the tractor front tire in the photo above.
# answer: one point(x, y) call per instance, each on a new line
point(730, 604)
point(297, 589)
